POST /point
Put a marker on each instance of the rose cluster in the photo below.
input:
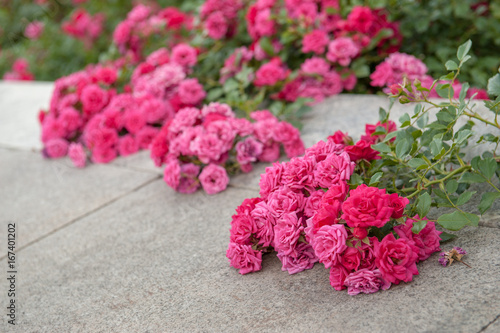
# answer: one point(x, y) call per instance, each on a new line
point(84, 26)
point(19, 72)
point(199, 146)
point(400, 66)
point(309, 211)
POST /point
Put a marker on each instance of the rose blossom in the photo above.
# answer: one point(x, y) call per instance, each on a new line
point(398, 204)
point(244, 258)
point(340, 137)
point(329, 243)
point(104, 154)
point(367, 207)
point(315, 65)
point(172, 173)
point(191, 92)
point(305, 259)
point(396, 258)
point(265, 224)
point(127, 145)
point(34, 30)
point(271, 179)
point(184, 55)
point(214, 178)
point(427, 240)
point(93, 98)
point(338, 275)
point(286, 234)
point(333, 169)
point(315, 41)
point(216, 25)
point(342, 50)
point(248, 150)
point(270, 73)
point(188, 182)
point(313, 202)
point(362, 150)
point(242, 227)
point(77, 155)
point(365, 281)
point(56, 148)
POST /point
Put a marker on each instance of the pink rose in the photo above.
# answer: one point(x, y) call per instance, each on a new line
point(315, 41)
point(265, 222)
point(184, 55)
point(342, 50)
point(427, 240)
point(299, 173)
point(271, 179)
point(305, 259)
point(191, 92)
point(270, 73)
point(145, 136)
point(315, 65)
point(70, 119)
point(398, 204)
point(127, 145)
point(338, 275)
point(213, 178)
point(135, 120)
point(333, 169)
point(336, 192)
point(270, 152)
point(56, 148)
point(365, 281)
point(244, 258)
point(248, 150)
point(242, 228)
point(189, 183)
point(285, 132)
point(325, 215)
point(313, 202)
point(362, 150)
point(351, 259)
point(34, 30)
point(77, 155)
point(329, 244)
point(103, 154)
point(295, 148)
point(216, 25)
point(172, 173)
point(93, 98)
point(340, 137)
point(396, 258)
point(208, 147)
point(286, 234)
point(367, 207)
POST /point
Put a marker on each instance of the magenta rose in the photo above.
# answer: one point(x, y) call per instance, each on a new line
point(333, 169)
point(362, 150)
point(286, 234)
point(271, 179)
point(265, 222)
point(214, 179)
point(56, 148)
point(329, 243)
point(427, 240)
point(365, 281)
point(313, 202)
point(305, 259)
point(77, 155)
point(93, 98)
point(351, 259)
point(299, 173)
point(396, 258)
point(188, 182)
point(284, 200)
point(244, 258)
point(127, 145)
point(338, 275)
point(172, 173)
point(248, 150)
point(367, 207)
point(398, 204)
point(242, 228)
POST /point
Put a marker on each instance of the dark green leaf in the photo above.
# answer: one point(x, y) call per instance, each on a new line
point(355, 179)
point(469, 177)
point(267, 46)
point(382, 114)
point(451, 186)
point(418, 226)
point(402, 148)
point(446, 237)
point(457, 220)
point(487, 167)
point(230, 85)
point(487, 200)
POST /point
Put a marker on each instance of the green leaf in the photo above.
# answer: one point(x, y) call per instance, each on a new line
point(402, 148)
point(487, 200)
point(442, 90)
point(457, 220)
point(214, 94)
point(382, 147)
point(355, 179)
point(463, 50)
point(423, 120)
point(390, 136)
point(451, 186)
point(487, 167)
point(418, 226)
point(451, 65)
point(463, 91)
point(382, 114)
point(423, 204)
point(417, 163)
point(375, 178)
point(464, 197)
point(470, 177)
point(230, 85)
point(462, 135)
point(267, 46)
point(405, 120)
point(494, 85)
point(436, 146)
point(446, 237)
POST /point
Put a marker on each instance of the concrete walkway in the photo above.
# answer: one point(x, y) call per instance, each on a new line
point(111, 248)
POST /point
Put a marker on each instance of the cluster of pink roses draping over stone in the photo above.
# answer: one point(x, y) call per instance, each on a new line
point(308, 213)
point(198, 145)
point(87, 116)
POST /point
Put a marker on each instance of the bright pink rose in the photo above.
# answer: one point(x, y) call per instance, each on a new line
point(325, 215)
point(305, 259)
point(270, 152)
point(158, 57)
point(286, 234)
point(360, 233)
point(127, 145)
point(93, 98)
point(285, 132)
point(188, 182)
point(191, 92)
point(313, 202)
point(122, 32)
point(139, 13)
point(270, 73)
point(135, 120)
point(338, 275)
point(145, 136)
point(332, 84)
point(77, 155)
point(365, 281)
point(396, 258)
point(56, 148)
point(184, 55)
point(172, 173)
point(427, 240)
point(214, 179)
point(315, 65)
point(264, 24)
point(362, 150)
point(208, 147)
point(34, 30)
point(265, 222)
point(329, 244)
point(103, 154)
point(70, 119)
point(244, 258)
point(333, 169)
point(367, 207)
point(299, 173)
point(340, 137)
point(271, 179)
point(389, 126)
point(342, 50)
point(283, 200)
point(295, 148)
point(242, 228)
point(216, 25)
point(398, 204)
point(248, 150)
point(315, 41)
point(351, 259)
point(106, 75)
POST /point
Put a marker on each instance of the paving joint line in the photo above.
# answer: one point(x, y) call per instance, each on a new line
point(489, 324)
point(76, 219)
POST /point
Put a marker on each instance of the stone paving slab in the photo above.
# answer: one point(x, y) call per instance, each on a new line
point(43, 195)
point(154, 261)
point(20, 103)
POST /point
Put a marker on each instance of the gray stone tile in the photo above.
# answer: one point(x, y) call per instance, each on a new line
point(494, 326)
point(20, 103)
point(41, 195)
point(139, 161)
point(155, 261)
